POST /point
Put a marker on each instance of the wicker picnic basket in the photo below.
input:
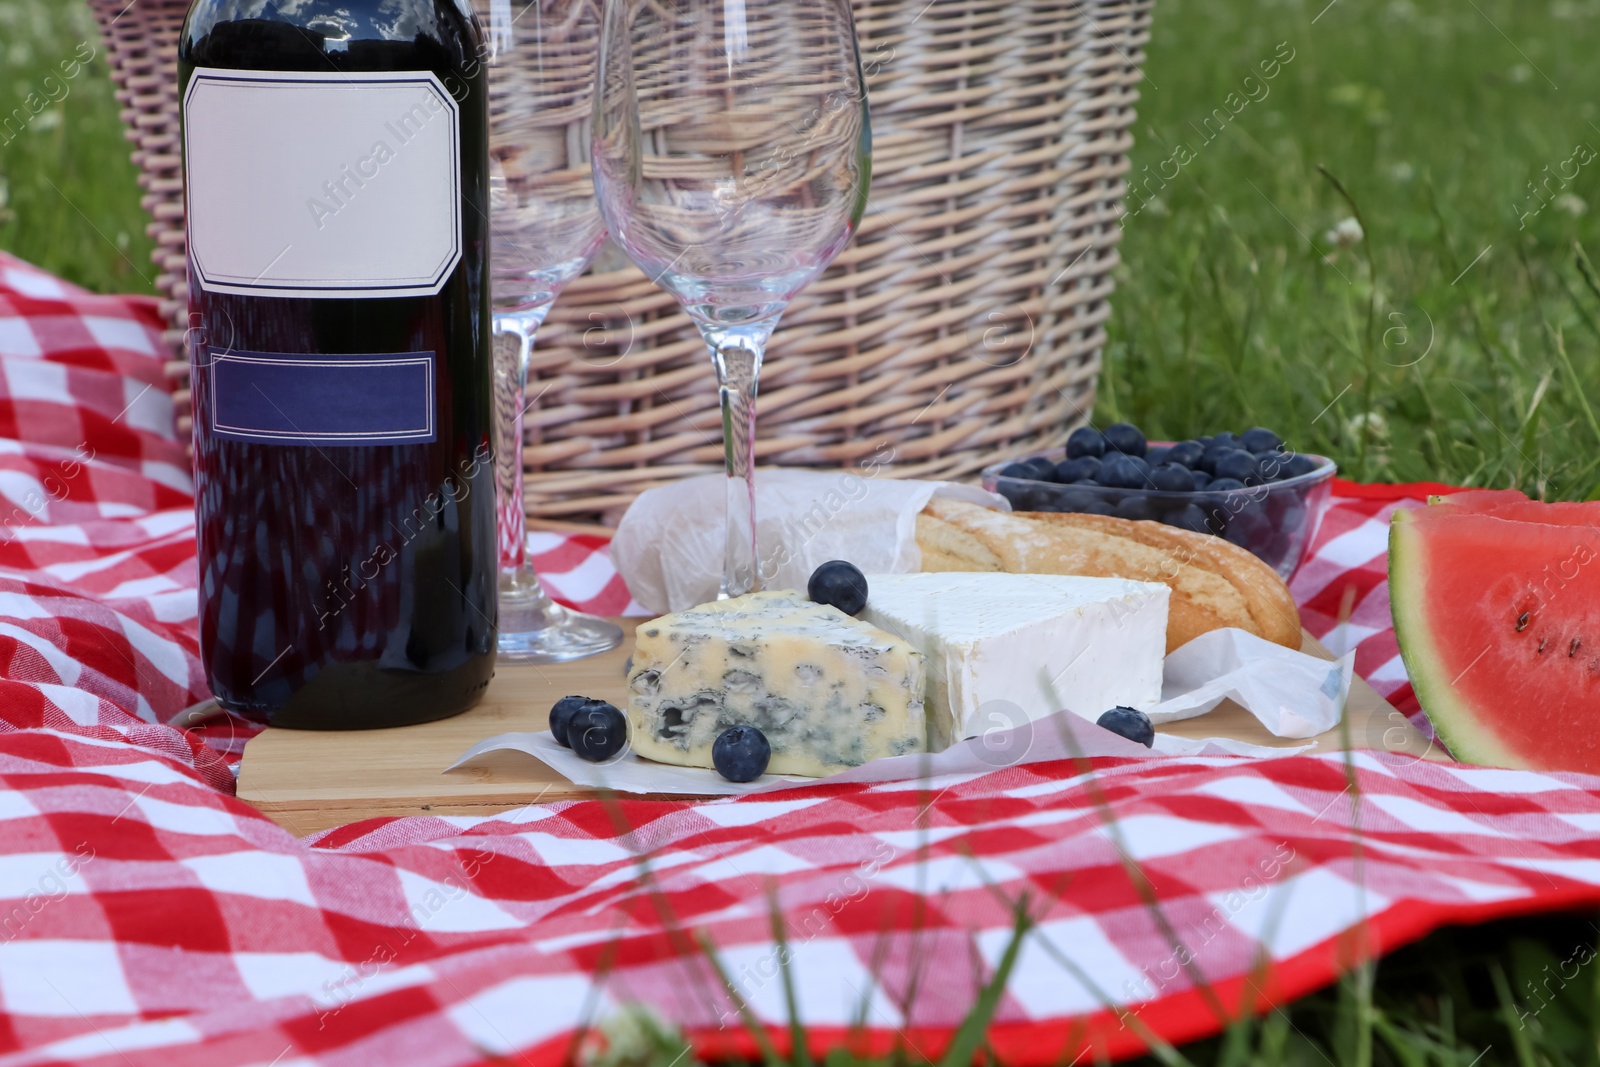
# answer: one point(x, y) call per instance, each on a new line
point(963, 323)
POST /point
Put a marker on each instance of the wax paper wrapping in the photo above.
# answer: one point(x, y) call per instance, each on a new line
point(1293, 694)
point(669, 545)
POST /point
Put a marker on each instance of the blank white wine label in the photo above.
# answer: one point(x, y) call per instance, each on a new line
point(322, 185)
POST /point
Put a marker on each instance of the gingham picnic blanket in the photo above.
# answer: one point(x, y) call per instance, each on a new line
point(147, 916)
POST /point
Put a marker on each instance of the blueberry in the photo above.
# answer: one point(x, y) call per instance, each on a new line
point(1222, 485)
point(561, 713)
point(1201, 479)
point(741, 753)
point(1204, 442)
point(1016, 470)
point(1125, 437)
point(1271, 465)
point(1043, 469)
point(1076, 470)
point(1186, 453)
point(1074, 500)
point(840, 584)
point(1021, 496)
point(1208, 459)
point(1051, 499)
point(1097, 507)
point(1259, 439)
point(1089, 483)
point(1171, 478)
point(1249, 529)
point(1130, 723)
point(1298, 464)
point(1225, 440)
point(1238, 464)
point(1134, 507)
point(1040, 499)
point(597, 732)
point(1157, 455)
point(1085, 441)
point(1121, 471)
point(1189, 517)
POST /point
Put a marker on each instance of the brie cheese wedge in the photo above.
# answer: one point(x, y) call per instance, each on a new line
point(1002, 649)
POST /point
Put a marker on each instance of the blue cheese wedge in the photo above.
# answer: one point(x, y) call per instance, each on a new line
point(1007, 647)
point(830, 692)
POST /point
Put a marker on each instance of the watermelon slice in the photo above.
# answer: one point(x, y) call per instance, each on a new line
point(1498, 621)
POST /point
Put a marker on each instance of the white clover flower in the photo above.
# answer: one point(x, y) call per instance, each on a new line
point(1572, 205)
point(1369, 424)
point(48, 120)
point(1345, 233)
point(1401, 172)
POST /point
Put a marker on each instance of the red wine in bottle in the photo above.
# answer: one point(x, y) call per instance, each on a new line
point(336, 181)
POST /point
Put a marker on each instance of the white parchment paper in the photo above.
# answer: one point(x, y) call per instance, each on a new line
point(669, 545)
point(1293, 694)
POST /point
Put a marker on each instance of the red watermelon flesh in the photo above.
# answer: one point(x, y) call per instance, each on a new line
point(1482, 499)
point(1510, 504)
point(1499, 625)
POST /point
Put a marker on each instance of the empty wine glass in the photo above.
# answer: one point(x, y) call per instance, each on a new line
point(545, 228)
point(732, 155)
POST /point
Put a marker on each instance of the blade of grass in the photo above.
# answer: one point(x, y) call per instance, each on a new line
point(1577, 384)
point(1368, 342)
point(1508, 1014)
point(970, 1033)
point(758, 1032)
point(799, 1047)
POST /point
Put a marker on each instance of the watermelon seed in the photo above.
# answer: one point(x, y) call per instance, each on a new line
point(1522, 622)
point(1572, 649)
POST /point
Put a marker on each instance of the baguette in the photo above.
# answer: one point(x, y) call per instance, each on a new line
point(1214, 583)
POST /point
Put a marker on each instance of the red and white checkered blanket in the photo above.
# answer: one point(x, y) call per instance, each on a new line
point(146, 916)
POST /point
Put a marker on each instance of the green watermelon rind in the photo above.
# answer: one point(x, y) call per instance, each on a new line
point(1462, 729)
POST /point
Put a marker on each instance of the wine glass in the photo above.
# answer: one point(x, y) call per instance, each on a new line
point(545, 228)
point(732, 155)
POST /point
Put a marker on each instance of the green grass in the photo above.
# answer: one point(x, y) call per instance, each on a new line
point(1414, 354)
point(69, 197)
point(1523, 992)
point(1435, 115)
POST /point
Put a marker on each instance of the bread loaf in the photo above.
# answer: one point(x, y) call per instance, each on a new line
point(1214, 583)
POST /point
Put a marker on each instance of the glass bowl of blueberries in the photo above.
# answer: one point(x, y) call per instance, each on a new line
point(1249, 488)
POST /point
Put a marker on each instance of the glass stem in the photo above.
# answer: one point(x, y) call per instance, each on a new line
point(737, 352)
point(513, 343)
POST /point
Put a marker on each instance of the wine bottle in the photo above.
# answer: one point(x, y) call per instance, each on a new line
point(335, 161)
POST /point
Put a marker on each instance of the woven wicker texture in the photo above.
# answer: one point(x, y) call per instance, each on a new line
point(964, 321)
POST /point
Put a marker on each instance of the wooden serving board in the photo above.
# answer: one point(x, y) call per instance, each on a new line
point(309, 780)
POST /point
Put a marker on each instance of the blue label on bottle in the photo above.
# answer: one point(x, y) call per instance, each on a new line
point(288, 398)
